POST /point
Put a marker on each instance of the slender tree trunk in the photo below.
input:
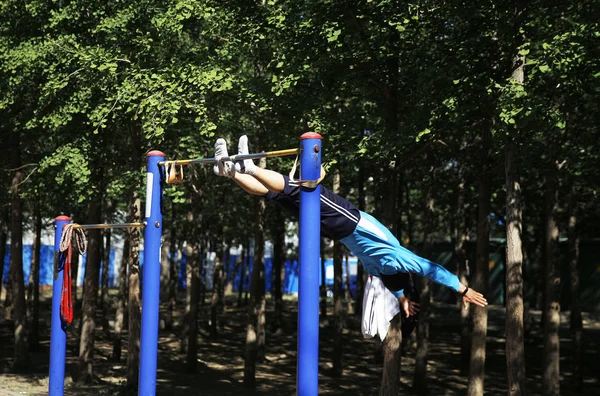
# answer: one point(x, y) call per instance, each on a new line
point(420, 379)
point(134, 295)
point(576, 322)
point(515, 346)
point(409, 216)
point(21, 354)
point(90, 293)
point(165, 268)
point(234, 273)
point(203, 275)
point(479, 314)
point(338, 311)
point(104, 292)
point(339, 318)
point(215, 300)
point(347, 293)
point(121, 302)
point(248, 281)
point(462, 266)
point(34, 283)
point(225, 272)
point(360, 272)
point(8, 298)
point(255, 330)
point(174, 261)
point(187, 313)
point(392, 357)
point(3, 239)
point(193, 265)
point(134, 292)
point(243, 269)
point(551, 371)
point(278, 268)
point(323, 285)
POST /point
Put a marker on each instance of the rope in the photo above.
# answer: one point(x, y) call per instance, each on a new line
point(66, 244)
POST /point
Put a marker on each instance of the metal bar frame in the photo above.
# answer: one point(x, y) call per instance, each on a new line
point(308, 293)
point(236, 157)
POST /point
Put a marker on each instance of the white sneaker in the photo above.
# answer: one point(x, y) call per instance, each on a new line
point(245, 166)
point(222, 168)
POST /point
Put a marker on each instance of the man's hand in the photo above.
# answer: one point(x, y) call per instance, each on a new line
point(409, 307)
point(472, 297)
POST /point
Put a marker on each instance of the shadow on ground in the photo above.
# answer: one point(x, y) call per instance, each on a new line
point(220, 366)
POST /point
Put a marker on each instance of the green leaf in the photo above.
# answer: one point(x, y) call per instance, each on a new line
point(544, 68)
point(424, 132)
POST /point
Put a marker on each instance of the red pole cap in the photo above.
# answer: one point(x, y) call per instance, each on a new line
point(155, 153)
point(310, 135)
point(63, 218)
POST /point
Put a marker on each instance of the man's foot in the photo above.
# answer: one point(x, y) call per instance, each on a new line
point(245, 166)
point(222, 168)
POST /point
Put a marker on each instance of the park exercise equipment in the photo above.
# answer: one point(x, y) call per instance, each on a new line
point(159, 170)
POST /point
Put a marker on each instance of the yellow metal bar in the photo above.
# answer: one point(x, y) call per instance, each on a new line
point(106, 226)
point(237, 157)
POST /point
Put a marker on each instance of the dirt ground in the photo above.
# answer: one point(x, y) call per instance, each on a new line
point(221, 361)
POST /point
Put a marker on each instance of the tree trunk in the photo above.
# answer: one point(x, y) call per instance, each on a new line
point(104, 292)
point(347, 293)
point(278, 268)
point(462, 266)
point(420, 380)
point(34, 283)
point(255, 330)
point(187, 313)
point(479, 314)
point(338, 310)
point(90, 292)
point(193, 265)
point(174, 261)
point(225, 272)
point(392, 358)
point(165, 267)
point(121, 305)
point(243, 269)
point(3, 239)
point(576, 323)
point(338, 303)
point(134, 294)
point(323, 285)
point(21, 353)
point(515, 346)
point(360, 272)
point(216, 300)
point(551, 370)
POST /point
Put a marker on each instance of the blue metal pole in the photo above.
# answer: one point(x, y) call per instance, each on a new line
point(308, 287)
point(151, 281)
point(58, 335)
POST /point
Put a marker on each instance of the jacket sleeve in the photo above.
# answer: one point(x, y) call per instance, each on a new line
point(410, 262)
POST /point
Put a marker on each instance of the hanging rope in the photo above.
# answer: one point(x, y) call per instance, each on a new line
point(66, 244)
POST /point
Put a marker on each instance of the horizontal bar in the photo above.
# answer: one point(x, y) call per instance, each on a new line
point(105, 226)
point(237, 157)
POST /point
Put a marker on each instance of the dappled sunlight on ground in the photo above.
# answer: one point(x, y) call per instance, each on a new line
point(220, 365)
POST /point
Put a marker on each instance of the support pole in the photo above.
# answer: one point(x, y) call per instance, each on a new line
point(58, 335)
point(308, 288)
point(151, 274)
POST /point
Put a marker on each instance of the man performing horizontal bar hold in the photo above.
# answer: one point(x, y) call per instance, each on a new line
point(370, 241)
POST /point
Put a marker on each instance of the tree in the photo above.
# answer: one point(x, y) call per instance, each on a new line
point(478, 338)
point(16, 256)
